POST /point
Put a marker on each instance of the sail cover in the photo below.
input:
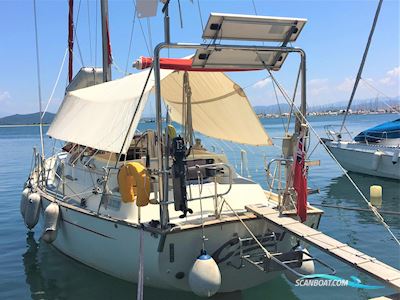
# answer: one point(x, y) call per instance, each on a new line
point(100, 116)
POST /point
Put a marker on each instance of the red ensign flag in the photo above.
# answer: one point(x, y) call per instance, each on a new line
point(300, 179)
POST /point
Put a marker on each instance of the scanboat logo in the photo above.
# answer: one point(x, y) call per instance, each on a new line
point(334, 281)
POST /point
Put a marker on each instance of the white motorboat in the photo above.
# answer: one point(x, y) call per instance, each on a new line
point(375, 151)
point(156, 207)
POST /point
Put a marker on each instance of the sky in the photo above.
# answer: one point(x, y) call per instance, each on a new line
point(334, 39)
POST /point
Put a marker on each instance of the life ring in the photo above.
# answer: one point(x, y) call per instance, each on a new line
point(134, 183)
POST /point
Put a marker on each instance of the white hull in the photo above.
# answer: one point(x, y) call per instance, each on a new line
point(111, 246)
point(367, 159)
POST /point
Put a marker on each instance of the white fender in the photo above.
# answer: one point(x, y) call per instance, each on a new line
point(205, 277)
point(376, 159)
point(396, 155)
point(306, 268)
point(32, 208)
point(24, 201)
point(51, 215)
point(50, 167)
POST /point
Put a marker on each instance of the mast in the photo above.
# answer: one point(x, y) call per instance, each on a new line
point(362, 64)
point(70, 38)
point(106, 41)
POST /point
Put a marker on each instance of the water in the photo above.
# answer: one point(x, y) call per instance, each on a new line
point(31, 269)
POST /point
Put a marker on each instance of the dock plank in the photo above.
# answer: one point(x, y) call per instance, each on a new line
point(357, 259)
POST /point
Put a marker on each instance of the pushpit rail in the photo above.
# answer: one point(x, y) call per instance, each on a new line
point(362, 262)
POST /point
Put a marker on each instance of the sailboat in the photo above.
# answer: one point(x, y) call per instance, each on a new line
point(375, 151)
point(157, 208)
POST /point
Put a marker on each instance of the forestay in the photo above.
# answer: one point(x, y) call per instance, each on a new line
point(100, 116)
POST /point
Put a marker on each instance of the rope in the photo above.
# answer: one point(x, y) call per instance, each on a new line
point(38, 77)
point(56, 83)
point(371, 207)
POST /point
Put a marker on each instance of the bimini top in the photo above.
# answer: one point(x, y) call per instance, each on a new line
point(101, 116)
point(388, 130)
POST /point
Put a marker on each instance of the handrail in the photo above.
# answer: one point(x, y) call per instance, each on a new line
point(334, 134)
point(198, 167)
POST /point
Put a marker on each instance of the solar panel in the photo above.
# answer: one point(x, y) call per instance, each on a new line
point(252, 28)
point(238, 59)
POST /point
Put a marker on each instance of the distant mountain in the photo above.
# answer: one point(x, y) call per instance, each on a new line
point(372, 104)
point(27, 119)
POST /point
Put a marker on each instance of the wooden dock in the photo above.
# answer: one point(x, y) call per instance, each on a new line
point(362, 262)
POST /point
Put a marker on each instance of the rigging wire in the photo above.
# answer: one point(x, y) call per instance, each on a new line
point(130, 41)
point(180, 13)
point(90, 32)
point(382, 93)
point(200, 15)
point(56, 83)
point(360, 69)
point(371, 207)
point(149, 33)
point(279, 107)
point(95, 35)
point(293, 98)
point(38, 78)
point(254, 6)
point(76, 35)
point(143, 34)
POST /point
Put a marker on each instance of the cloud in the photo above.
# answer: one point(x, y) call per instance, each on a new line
point(318, 86)
point(262, 83)
point(4, 96)
point(346, 85)
point(392, 77)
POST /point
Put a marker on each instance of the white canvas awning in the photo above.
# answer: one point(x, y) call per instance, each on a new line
point(220, 108)
point(100, 116)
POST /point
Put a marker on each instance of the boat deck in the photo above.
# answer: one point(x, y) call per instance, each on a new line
point(364, 263)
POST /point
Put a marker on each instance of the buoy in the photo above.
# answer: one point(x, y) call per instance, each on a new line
point(31, 214)
point(51, 214)
point(307, 268)
point(375, 195)
point(376, 159)
point(24, 201)
point(204, 277)
point(396, 156)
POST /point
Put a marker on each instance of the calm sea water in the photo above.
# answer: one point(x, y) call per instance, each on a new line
point(31, 269)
